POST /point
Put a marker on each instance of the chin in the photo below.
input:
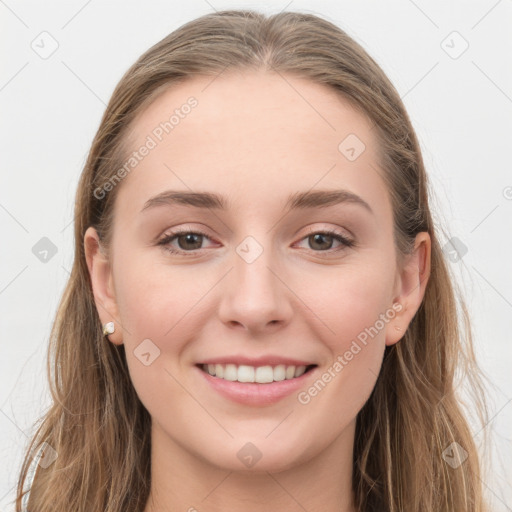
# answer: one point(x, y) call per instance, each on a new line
point(258, 456)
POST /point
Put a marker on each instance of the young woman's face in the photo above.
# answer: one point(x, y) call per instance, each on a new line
point(257, 282)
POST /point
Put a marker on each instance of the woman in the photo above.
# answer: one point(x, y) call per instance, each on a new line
point(259, 311)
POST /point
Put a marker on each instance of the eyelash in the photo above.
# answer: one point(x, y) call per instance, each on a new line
point(171, 236)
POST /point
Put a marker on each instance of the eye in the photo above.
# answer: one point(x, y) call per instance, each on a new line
point(191, 241)
point(322, 241)
point(188, 241)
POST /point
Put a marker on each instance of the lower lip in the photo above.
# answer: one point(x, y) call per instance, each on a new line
point(252, 393)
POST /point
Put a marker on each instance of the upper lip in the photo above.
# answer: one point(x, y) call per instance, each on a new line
point(270, 360)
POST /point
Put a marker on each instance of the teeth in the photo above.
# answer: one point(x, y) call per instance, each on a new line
point(280, 372)
point(264, 374)
point(299, 371)
point(260, 374)
point(245, 373)
point(219, 370)
point(290, 372)
point(230, 372)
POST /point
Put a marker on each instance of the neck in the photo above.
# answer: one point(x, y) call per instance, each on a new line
point(181, 480)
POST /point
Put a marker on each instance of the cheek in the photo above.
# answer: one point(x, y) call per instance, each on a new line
point(353, 302)
point(355, 310)
point(156, 305)
point(153, 298)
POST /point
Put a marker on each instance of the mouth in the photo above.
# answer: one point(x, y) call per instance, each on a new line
point(255, 374)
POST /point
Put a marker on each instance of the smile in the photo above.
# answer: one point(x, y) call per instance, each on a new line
point(256, 374)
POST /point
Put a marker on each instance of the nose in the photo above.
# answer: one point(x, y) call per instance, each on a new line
point(255, 296)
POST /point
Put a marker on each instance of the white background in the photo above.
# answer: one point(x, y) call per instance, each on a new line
point(461, 108)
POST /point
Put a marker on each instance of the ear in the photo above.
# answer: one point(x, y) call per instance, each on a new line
point(102, 283)
point(411, 283)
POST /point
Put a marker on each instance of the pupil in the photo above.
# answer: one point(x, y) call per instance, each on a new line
point(189, 238)
point(320, 237)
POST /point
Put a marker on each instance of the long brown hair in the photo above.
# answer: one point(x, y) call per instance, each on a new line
point(97, 426)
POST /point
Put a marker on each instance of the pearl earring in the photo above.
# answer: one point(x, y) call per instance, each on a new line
point(108, 328)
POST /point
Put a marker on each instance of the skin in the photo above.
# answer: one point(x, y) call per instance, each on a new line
point(254, 139)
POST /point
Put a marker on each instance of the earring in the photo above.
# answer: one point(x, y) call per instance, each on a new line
point(398, 328)
point(108, 328)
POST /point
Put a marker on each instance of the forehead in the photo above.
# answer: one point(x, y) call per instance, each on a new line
point(253, 134)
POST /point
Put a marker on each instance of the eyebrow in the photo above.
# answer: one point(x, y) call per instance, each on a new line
point(297, 201)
